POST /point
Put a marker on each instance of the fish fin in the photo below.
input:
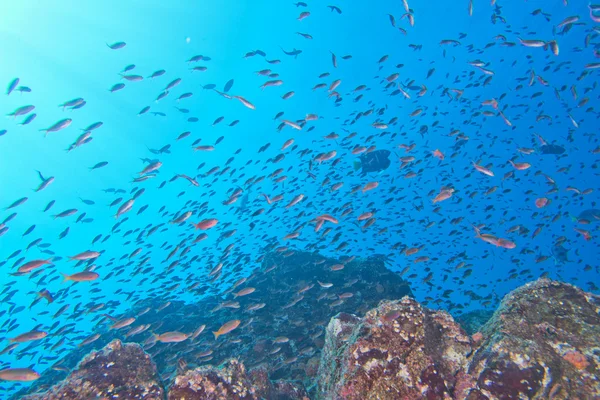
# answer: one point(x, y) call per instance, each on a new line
point(217, 334)
point(65, 277)
point(357, 165)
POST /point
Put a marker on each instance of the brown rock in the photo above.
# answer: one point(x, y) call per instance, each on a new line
point(542, 343)
point(232, 382)
point(399, 350)
point(122, 371)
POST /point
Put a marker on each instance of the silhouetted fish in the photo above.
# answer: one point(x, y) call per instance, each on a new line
point(375, 161)
point(552, 149)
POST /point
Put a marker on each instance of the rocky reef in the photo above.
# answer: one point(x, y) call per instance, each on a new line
point(543, 342)
point(122, 371)
point(296, 310)
point(399, 350)
point(231, 381)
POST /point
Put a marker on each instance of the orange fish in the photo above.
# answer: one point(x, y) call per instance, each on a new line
point(438, 154)
point(206, 224)
point(542, 202)
point(84, 276)
point(227, 327)
point(370, 186)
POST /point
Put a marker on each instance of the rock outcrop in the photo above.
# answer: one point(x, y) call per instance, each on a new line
point(542, 343)
point(122, 371)
point(295, 306)
point(399, 350)
point(232, 382)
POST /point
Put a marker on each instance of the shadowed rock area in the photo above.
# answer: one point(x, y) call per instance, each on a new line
point(473, 321)
point(543, 342)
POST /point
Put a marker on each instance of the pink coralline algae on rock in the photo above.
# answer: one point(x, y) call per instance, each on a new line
point(542, 343)
point(399, 350)
point(232, 382)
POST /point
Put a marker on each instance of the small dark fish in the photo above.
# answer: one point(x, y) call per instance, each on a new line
point(561, 254)
point(64, 233)
point(116, 87)
point(209, 86)
point(17, 203)
point(24, 89)
point(29, 230)
point(192, 119)
point(49, 205)
point(93, 126)
point(88, 202)
point(9, 218)
point(144, 110)
point(552, 149)
point(11, 86)
point(28, 119)
point(128, 68)
point(375, 161)
point(172, 84)
point(99, 165)
point(116, 45)
point(228, 86)
point(157, 73)
point(66, 213)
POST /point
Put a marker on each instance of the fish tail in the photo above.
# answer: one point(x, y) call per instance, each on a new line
point(65, 277)
point(357, 165)
point(217, 334)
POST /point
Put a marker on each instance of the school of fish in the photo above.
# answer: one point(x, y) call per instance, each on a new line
point(473, 173)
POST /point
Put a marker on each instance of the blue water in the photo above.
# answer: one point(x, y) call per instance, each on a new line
point(60, 51)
